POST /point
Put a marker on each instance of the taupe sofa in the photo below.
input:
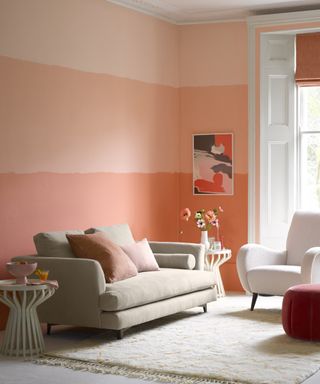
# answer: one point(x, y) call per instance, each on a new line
point(85, 299)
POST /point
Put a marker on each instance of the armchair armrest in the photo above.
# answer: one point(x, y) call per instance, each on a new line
point(197, 250)
point(310, 267)
point(81, 282)
point(254, 255)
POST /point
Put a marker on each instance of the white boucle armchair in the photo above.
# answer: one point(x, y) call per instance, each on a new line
point(267, 272)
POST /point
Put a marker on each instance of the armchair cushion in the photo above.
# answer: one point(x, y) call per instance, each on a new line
point(255, 255)
point(54, 244)
point(115, 263)
point(273, 279)
point(148, 287)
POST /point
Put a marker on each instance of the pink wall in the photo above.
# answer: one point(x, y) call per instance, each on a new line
point(213, 98)
point(89, 110)
point(98, 105)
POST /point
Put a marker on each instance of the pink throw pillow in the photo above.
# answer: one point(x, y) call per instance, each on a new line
point(141, 255)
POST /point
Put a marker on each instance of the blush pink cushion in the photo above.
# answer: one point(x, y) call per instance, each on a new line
point(301, 312)
point(141, 255)
point(115, 263)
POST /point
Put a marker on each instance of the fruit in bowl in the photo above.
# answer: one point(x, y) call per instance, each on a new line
point(20, 270)
point(42, 274)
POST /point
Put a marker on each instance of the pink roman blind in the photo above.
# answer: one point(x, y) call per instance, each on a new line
point(308, 59)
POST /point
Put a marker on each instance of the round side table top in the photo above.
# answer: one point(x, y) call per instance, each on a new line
point(32, 285)
point(223, 251)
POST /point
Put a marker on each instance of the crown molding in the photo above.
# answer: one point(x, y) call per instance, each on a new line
point(284, 18)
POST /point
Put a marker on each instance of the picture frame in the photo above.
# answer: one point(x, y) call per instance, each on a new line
point(213, 166)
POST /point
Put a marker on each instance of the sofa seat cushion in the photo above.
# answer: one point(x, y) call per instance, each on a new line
point(148, 287)
point(281, 277)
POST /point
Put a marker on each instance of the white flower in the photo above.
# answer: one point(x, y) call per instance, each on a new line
point(201, 224)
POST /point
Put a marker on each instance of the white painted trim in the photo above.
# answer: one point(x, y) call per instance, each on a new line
point(173, 21)
point(255, 22)
point(251, 134)
point(142, 10)
point(278, 19)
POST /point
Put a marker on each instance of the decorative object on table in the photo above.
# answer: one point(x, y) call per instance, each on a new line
point(213, 164)
point(213, 260)
point(228, 345)
point(42, 274)
point(205, 220)
point(20, 270)
point(23, 335)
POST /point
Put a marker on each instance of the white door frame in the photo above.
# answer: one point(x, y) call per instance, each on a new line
point(254, 23)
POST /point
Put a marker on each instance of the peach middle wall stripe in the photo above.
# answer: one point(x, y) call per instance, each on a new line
point(56, 119)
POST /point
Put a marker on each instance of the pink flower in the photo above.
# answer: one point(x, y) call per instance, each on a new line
point(220, 208)
point(185, 214)
point(210, 216)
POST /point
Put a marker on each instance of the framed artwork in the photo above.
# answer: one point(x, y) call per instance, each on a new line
point(213, 164)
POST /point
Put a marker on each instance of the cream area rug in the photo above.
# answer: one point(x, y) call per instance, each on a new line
point(229, 344)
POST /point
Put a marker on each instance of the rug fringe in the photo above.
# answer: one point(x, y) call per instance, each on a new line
point(131, 372)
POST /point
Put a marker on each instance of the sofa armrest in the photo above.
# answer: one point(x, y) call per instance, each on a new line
point(175, 260)
point(310, 267)
point(254, 255)
point(197, 250)
point(81, 282)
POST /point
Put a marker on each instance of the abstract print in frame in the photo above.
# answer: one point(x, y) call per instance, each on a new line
point(213, 164)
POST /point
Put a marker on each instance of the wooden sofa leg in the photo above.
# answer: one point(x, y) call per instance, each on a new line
point(120, 334)
point(49, 328)
point(205, 308)
point(254, 299)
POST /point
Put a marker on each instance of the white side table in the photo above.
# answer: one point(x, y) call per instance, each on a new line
point(23, 335)
point(213, 260)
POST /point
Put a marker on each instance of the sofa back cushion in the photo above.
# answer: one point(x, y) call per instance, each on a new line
point(141, 255)
point(119, 234)
point(115, 264)
point(54, 244)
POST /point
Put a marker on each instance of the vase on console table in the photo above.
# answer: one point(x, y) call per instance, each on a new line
point(205, 240)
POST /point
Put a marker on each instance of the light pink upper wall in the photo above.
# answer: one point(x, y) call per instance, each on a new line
point(213, 54)
point(90, 35)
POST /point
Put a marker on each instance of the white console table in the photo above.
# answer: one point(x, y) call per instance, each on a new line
point(213, 260)
point(23, 335)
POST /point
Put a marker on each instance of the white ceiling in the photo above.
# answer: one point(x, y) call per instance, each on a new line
point(188, 11)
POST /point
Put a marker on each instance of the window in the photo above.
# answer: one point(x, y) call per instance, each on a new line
point(309, 146)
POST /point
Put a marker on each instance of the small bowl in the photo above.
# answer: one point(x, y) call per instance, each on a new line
point(20, 270)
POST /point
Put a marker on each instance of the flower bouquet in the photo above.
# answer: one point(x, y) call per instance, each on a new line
point(204, 220)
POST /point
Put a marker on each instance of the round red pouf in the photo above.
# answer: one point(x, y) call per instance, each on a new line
point(301, 312)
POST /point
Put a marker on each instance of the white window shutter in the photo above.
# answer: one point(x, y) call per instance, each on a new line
point(277, 139)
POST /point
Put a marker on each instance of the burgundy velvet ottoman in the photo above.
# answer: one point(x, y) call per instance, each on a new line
point(301, 312)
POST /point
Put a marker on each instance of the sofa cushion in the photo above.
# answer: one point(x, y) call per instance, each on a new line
point(54, 244)
point(149, 287)
point(115, 264)
point(118, 233)
point(141, 255)
point(281, 276)
point(175, 260)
